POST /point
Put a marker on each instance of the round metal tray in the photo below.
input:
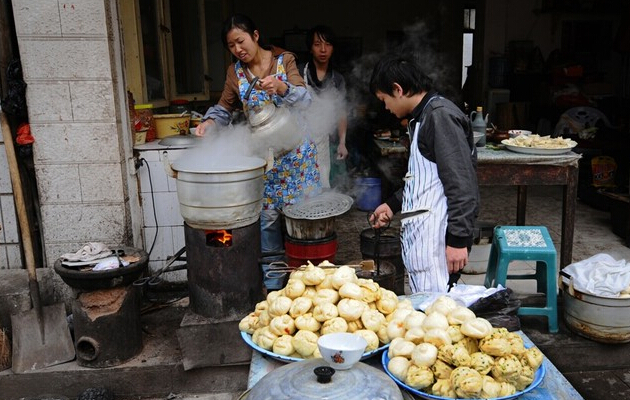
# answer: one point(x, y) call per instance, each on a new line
point(325, 205)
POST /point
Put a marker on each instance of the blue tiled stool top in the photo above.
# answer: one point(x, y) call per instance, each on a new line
point(525, 237)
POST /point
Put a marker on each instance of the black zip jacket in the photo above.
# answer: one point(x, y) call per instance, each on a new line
point(446, 138)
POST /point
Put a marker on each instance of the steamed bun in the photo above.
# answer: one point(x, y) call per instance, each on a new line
point(300, 306)
point(351, 290)
point(400, 347)
point(477, 328)
point(279, 306)
point(370, 337)
point(334, 325)
point(294, 288)
point(283, 345)
point(350, 309)
point(424, 354)
point(307, 322)
point(305, 342)
point(398, 366)
point(343, 275)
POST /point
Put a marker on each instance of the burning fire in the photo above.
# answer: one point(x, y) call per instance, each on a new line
point(219, 238)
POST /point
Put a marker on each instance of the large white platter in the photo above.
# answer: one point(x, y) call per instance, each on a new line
point(538, 377)
point(537, 150)
point(248, 339)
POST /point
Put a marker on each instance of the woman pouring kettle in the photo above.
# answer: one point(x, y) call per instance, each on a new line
point(262, 76)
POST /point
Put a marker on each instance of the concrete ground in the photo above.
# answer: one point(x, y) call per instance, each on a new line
point(596, 370)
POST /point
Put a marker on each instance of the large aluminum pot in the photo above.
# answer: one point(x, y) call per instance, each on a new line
point(217, 193)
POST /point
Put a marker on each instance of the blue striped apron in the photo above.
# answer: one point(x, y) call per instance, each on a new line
point(423, 236)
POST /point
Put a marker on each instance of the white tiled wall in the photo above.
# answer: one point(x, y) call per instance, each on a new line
point(9, 237)
point(162, 190)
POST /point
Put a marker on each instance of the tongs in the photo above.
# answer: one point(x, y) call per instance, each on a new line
point(155, 279)
point(278, 269)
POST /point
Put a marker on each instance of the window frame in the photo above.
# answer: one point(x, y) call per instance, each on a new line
point(166, 58)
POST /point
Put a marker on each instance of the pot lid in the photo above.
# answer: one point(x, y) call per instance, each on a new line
point(180, 140)
point(324, 205)
point(298, 381)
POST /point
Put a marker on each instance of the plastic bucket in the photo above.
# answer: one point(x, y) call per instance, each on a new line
point(368, 193)
point(300, 252)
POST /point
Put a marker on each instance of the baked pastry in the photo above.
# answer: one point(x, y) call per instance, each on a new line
point(441, 370)
point(532, 357)
point(443, 388)
point(482, 362)
point(506, 369)
point(467, 382)
point(419, 377)
point(490, 388)
point(495, 346)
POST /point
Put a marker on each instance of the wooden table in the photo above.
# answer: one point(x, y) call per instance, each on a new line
point(507, 168)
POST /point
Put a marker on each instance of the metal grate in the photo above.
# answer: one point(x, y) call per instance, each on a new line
point(325, 205)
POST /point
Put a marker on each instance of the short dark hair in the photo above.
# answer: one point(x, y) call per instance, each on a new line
point(323, 31)
point(239, 21)
point(404, 71)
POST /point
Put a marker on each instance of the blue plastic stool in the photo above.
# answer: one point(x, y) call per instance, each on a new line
point(526, 243)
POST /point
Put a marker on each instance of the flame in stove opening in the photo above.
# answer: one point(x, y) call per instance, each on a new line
point(219, 238)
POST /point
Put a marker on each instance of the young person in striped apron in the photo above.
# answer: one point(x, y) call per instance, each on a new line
point(441, 176)
point(293, 175)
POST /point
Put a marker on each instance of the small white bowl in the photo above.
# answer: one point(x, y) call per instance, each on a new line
point(518, 132)
point(341, 350)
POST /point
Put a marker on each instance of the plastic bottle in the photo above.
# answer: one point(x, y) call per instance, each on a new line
point(478, 124)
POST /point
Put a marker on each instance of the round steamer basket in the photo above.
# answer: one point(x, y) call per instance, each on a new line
point(300, 251)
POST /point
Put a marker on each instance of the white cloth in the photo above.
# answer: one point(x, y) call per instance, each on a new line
point(600, 275)
point(424, 235)
point(90, 251)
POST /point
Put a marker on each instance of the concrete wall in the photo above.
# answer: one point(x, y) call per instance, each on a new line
point(71, 58)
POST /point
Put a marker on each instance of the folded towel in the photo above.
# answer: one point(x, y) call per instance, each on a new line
point(90, 251)
point(600, 275)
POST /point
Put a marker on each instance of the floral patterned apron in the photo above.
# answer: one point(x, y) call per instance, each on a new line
point(295, 174)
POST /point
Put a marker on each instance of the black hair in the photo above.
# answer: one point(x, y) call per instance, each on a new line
point(394, 68)
point(324, 32)
point(238, 21)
